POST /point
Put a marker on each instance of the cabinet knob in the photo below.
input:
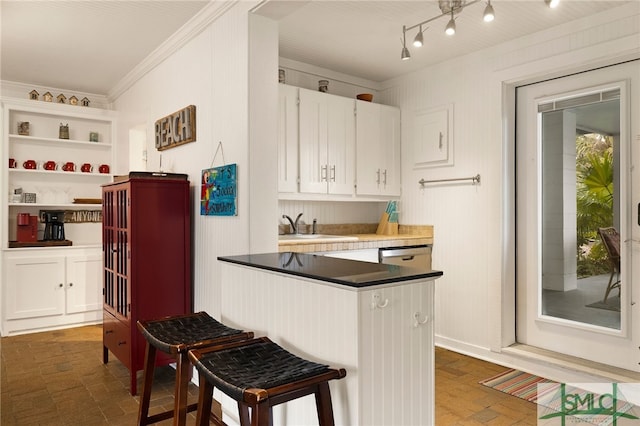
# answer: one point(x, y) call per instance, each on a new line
point(60, 285)
point(70, 284)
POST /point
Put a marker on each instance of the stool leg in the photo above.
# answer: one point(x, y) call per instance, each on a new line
point(205, 397)
point(149, 368)
point(182, 386)
point(323, 405)
point(243, 411)
point(261, 414)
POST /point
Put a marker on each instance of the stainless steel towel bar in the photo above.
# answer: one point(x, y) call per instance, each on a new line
point(475, 179)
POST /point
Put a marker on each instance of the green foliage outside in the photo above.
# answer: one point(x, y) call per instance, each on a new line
point(594, 174)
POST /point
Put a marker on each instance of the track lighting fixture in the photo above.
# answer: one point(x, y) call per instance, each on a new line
point(449, 8)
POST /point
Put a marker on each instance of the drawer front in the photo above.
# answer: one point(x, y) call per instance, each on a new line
point(116, 336)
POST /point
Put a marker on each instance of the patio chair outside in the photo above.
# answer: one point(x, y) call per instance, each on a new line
point(611, 241)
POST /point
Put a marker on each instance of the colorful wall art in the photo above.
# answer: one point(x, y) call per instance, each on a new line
point(219, 191)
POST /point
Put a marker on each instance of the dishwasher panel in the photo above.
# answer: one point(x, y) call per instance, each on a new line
point(412, 256)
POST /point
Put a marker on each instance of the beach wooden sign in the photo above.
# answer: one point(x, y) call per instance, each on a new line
point(176, 129)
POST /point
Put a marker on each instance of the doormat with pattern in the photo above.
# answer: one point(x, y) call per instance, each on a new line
point(517, 383)
point(549, 397)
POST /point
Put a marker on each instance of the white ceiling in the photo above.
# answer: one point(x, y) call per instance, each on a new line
point(89, 46)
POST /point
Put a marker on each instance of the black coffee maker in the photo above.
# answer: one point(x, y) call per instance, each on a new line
point(54, 225)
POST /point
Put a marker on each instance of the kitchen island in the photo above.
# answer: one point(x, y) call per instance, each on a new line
point(374, 320)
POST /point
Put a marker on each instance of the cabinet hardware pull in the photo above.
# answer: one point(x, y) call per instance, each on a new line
point(385, 177)
point(378, 177)
point(440, 140)
point(108, 331)
point(417, 321)
point(333, 173)
point(122, 342)
point(323, 173)
point(375, 302)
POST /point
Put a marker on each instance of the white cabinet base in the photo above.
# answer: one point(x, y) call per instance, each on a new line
point(46, 289)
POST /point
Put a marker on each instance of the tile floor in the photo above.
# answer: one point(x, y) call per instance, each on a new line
point(57, 378)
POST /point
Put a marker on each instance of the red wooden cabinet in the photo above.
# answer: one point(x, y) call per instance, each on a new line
point(146, 243)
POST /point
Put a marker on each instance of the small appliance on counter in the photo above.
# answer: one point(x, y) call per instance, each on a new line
point(27, 228)
point(54, 225)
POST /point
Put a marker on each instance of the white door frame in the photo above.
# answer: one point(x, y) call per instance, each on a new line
point(562, 336)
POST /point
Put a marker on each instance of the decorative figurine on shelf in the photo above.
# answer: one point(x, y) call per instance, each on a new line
point(47, 97)
point(93, 136)
point(23, 128)
point(34, 95)
point(85, 101)
point(62, 99)
point(64, 131)
point(73, 100)
point(323, 85)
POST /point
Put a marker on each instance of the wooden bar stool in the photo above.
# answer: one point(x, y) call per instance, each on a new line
point(259, 374)
point(176, 335)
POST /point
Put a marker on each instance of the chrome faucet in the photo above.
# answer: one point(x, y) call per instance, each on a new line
point(294, 224)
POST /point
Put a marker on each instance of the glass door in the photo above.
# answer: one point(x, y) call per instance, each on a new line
point(574, 195)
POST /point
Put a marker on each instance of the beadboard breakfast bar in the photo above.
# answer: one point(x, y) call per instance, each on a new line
point(374, 320)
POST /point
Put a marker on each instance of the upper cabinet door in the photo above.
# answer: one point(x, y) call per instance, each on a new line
point(288, 139)
point(341, 145)
point(377, 149)
point(390, 141)
point(327, 143)
point(313, 123)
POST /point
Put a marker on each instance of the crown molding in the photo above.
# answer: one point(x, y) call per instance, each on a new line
point(186, 33)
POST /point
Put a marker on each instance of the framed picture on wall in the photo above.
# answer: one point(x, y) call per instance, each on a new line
point(219, 191)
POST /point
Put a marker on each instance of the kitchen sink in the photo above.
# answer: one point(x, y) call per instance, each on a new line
point(303, 237)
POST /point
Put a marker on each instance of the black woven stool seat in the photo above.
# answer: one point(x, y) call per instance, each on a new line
point(184, 332)
point(259, 374)
point(176, 335)
point(261, 365)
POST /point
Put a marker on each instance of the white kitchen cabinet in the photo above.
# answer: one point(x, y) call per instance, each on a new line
point(44, 286)
point(84, 283)
point(326, 143)
point(34, 287)
point(48, 288)
point(377, 149)
point(287, 139)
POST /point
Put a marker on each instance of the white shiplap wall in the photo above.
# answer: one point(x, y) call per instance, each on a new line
point(471, 221)
point(211, 72)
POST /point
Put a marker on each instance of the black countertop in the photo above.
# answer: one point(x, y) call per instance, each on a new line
point(350, 273)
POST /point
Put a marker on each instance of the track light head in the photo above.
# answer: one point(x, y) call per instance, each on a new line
point(488, 15)
point(419, 40)
point(405, 54)
point(451, 26)
point(552, 3)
